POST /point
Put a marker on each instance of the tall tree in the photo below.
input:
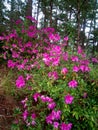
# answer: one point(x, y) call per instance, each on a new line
point(29, 8)
point(2, 16)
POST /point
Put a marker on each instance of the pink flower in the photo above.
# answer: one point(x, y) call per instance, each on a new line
point(21, 66)
point(28, 44)
point(66, 38)
point(84, 68)
point(33, 115)
point(75, 68)
point(55, 124)
point(19, 21)
point(75, 58)
point(95, 60)
point(36, 96)
point(15, 54)
point(56, 114)
point(65, 56)
point(64, 70)
point(80, 51)
point(51, 105)
point(24, 102)
point(49, 99)
point(46, 59)
point(46, 99)
point(33, 122)
point(20, 82)
point(54, 37)
point(53, 75)
point(55, 50)
point(28, 76)
point(55, 61)
point(73, 84)
point(66, 126)
point(2, 38)
point(68, 99)
point(25, 114)
point(49, 119)
point(31, 18)
point(11, 64)
point(84, 95)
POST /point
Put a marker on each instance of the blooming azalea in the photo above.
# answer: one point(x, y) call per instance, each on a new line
point(64, 70)
point(56, 124)
point(73, 84)
point(52, 105)
point(53, 75)
point(36, 96)
point(75, 58)
point(68, 99)
point(66, 126)
point(75, 68)
point(20, 82)
point(25, 114)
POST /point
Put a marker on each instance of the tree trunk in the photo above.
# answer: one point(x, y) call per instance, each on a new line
point(51, 7)
point(78, 22)
point(29, 8)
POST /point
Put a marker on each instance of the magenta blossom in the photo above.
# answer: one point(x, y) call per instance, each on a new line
point(20, 82)
point(65, 56)
point(66, 126)
point(68, 99)
point(25, 114)
point(56, 124)
point(11, 64)
point(56, 114)
point(66, 38)
point(33, 115)
point(46, 98)
point(36, 96)
point(53, 75)
point(52, 105)
point(73, 84)
point(24, 102)
point(95, 60)
point(49, 119)
point(33, 122)
point(80, 51)
point(85, 95)
point(84, 68)
point(64, 70)
point(28, 76)
point(75, 68)
point(75, 58)
point(54, 37)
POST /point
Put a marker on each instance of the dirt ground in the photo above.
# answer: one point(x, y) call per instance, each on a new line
point(7, 103)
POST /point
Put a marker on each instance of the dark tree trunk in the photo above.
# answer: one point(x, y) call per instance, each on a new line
point(29, 8)
point(51, 7)
point(78, 22)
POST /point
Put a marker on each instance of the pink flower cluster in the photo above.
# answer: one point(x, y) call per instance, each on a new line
point(46, 99)
point(54, 117)
point(69, 99)
point(54, 37)
point(73, 84)
point(64, 71)
point(53, 75)
point(53, 56)
point(66, 126)
point(20, 82)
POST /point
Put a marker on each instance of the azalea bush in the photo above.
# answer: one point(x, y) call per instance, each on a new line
point(55, 80)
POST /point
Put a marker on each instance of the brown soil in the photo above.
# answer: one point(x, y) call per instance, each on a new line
point(7, 103)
